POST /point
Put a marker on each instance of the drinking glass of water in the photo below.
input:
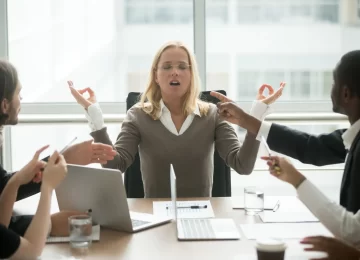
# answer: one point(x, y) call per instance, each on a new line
point(253, 200)
point(80, 227)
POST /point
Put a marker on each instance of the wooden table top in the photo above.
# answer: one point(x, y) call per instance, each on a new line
point(161, 242)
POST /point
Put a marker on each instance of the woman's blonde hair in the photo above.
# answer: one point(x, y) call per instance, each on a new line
point(150, 99)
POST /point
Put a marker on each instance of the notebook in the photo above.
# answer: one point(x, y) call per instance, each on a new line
point(95, 236)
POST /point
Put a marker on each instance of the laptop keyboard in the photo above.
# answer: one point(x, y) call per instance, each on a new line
point(136, 222)
point(197, 228)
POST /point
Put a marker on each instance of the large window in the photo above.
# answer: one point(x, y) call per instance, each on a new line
point(287, 11)
point(109, 45)
point(105, 44)
point(301, 84)
point(158, 12)
point(269, 41)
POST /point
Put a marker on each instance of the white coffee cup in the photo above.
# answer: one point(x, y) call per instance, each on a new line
point(270, 249)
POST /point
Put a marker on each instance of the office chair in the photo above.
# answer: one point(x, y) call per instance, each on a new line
point(222, 174)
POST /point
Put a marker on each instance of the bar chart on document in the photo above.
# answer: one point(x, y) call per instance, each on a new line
point(185, 209)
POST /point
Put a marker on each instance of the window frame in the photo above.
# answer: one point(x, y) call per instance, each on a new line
point(5, 148)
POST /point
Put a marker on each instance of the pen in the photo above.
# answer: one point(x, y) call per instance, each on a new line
point(68, 145)
point(63, 150)
point(191, 207)
point(277, 205)
point(276, 167)
point(89, 212)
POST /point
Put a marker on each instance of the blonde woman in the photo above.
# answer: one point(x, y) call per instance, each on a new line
point(171, 124)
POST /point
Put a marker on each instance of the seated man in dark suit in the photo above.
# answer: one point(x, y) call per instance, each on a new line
point(10, 98)
point(343, 224)
point(323, 149)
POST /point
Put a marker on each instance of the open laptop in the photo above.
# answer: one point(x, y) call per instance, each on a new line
point(102, 190)
point(201, 228)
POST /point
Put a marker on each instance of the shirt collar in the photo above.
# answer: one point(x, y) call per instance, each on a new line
point(163, 108)
point(349, 135)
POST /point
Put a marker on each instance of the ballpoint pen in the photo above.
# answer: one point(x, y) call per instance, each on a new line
point(63, 150)
point(191, 207)
point(277, 205)
point(68, 145)
point(276, 167)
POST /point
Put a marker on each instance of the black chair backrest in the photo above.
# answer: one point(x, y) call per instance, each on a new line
point(222, 174)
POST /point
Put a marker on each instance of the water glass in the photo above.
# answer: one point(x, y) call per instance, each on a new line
point(80, 228)
point(253, 200)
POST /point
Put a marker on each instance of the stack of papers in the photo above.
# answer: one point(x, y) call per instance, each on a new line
point(287, 203)
point(284, 230)
point(95, 236)
point(287, 217)
point(184, 210)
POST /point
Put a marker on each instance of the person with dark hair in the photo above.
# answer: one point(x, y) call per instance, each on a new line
point(341, 223)
point(81, 153)
point(31, 244)
point(337, 147)
point(9, 89)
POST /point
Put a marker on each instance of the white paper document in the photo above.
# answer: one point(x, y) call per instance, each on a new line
point(284, 230)
point(95, 236)
point(286, 203)
point(186, 209)
point(287, 217)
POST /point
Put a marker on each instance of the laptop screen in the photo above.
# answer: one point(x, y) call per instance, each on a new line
point(173, 191)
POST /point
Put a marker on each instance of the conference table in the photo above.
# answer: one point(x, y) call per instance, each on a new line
point(160, 242)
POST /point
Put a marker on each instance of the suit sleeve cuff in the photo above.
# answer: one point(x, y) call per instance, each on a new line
point(260, 110)
point(264, 130)
point(95, 117)
point(303, 187)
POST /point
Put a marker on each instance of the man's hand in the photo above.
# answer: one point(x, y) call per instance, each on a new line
point(273, 95)
point(232, 113)
point(227, 109)
point(88, 152)
point(32, 170)
point(220, 96)
point(79, 95)
point(336, 249)
point(287, 171)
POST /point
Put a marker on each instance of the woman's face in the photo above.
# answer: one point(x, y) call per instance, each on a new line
point(173, 73)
